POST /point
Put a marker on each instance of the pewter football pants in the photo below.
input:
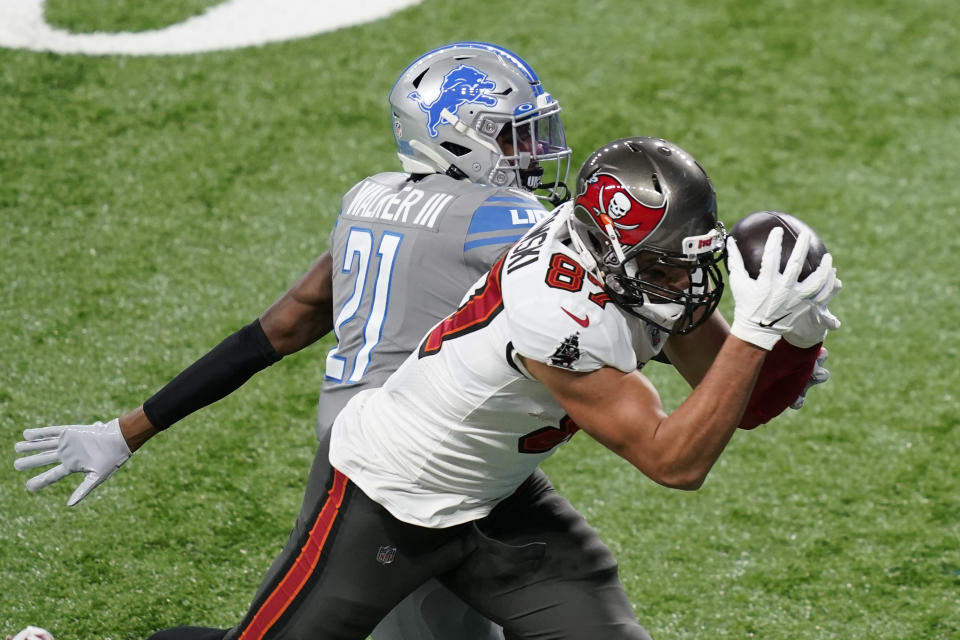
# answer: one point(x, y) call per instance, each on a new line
point(533, 565)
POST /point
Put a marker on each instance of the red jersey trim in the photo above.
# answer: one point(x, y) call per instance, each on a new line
point(475, 313)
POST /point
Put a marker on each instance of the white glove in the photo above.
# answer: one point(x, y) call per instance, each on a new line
point(766, 308)
point(819, 375)
point(812, 325)
point(96, 450)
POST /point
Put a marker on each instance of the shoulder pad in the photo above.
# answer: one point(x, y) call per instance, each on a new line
point(560, 316)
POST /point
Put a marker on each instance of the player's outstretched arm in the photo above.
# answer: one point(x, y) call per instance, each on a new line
point(785, 315)
point(297, 319)
point(300, 317)
point(796, 361)
point(623, 410)
point(624, 413)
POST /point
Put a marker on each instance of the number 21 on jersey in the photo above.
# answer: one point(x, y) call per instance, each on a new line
point(373, 300)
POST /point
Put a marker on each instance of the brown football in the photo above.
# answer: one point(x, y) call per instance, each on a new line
point(751, 233)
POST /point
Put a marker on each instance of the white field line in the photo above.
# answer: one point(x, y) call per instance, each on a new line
point(229, 25)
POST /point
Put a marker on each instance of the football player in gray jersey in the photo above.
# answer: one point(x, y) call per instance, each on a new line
point(405, 248)
point(475, 132)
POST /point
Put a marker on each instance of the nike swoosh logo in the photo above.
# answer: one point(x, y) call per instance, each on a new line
point(761, 324)
point(583, 322)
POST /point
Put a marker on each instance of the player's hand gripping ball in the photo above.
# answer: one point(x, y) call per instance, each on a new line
point(790, 298)
point(751, 233)
point(32, 633)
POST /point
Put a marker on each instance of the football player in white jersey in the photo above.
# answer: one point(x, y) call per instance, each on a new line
point(475, 131)
point(552, 339)
point(435, 463)
point(433, 474)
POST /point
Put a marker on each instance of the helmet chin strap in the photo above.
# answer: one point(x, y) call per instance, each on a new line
point(559, 193)
point(662, 313)
point(441, 162)
point(589, 262)
point(426, 150)
point(612, 235)
point(414, 165)
point(469, 132)
point(461, 128)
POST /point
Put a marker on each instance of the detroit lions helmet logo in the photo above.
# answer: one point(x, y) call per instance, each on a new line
point(604, 196)
point(461, 85)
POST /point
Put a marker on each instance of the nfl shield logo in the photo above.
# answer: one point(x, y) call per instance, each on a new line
point(386, 554)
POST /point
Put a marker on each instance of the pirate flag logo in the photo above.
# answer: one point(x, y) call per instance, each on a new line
point(604, 196)
point(567, 353)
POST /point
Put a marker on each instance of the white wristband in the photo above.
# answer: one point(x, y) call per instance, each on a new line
point(763, 337)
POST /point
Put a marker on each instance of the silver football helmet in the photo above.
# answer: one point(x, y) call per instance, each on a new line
point(644, 221)
point(477, 111)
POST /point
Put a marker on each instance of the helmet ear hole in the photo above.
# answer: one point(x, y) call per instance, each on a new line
point(656, 183)
point(454, 148)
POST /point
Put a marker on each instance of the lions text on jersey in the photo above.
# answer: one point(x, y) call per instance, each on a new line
point(461, 424)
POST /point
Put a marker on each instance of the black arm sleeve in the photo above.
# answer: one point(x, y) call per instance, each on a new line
point(217, 374)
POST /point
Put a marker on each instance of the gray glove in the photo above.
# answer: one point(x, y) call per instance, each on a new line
point(820, 375)
point(97, 450)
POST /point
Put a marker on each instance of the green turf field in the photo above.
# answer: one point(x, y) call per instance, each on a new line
point(151, 205)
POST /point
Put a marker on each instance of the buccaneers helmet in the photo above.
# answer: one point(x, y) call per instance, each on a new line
point(644, 207)
point(477, 111)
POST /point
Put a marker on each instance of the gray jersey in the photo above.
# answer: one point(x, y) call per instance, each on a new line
point(404, 254)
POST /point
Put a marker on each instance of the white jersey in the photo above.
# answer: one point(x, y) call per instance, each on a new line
point(461, 424)
point(404, 251)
